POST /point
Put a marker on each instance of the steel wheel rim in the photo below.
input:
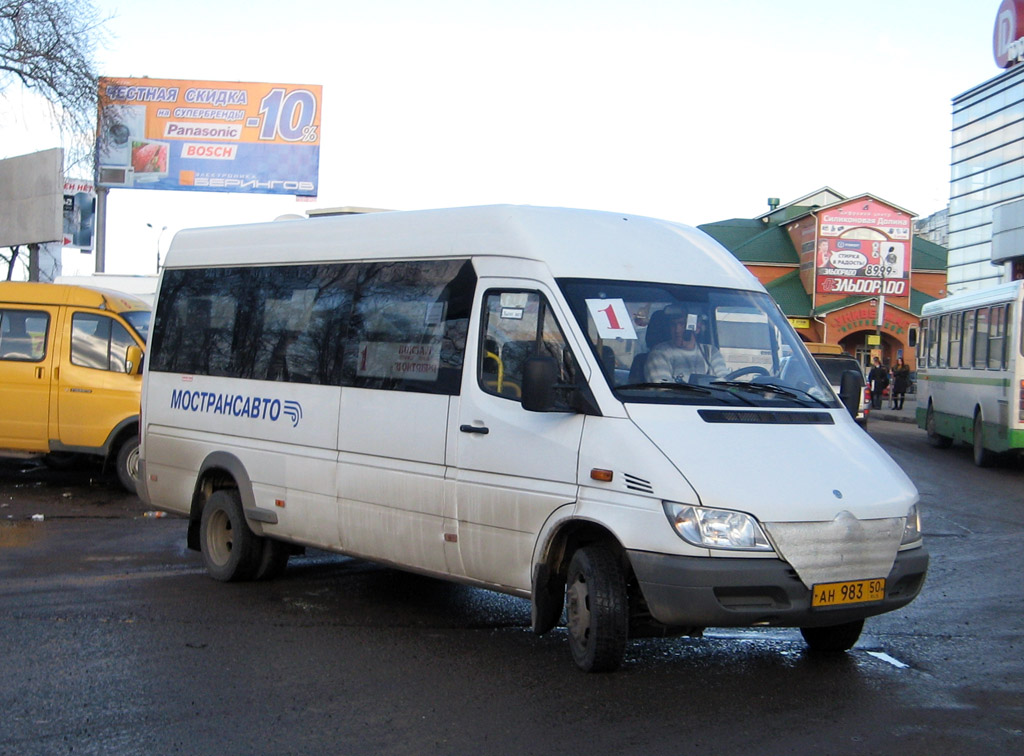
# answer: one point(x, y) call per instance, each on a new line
point(219, 538)
point(578, 611)
point(132, 464)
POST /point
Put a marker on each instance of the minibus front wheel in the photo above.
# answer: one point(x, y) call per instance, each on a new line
point(231, 551)
point(597, 609)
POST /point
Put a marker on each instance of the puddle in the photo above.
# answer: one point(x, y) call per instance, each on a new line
point(15, 534)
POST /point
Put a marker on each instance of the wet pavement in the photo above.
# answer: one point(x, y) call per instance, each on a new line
point(115, 641)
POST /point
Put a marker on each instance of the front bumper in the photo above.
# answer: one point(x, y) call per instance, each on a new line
point(740, 592)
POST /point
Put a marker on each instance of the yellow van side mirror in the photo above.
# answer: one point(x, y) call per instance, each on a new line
point(133, 360)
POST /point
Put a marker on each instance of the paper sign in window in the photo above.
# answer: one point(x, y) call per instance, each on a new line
point(611, 318)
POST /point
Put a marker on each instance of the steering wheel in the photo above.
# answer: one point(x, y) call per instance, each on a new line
point(748, 370)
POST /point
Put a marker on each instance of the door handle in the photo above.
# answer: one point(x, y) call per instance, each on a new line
point(483, 430)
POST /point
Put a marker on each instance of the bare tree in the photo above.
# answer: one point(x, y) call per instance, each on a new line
point(47, 47)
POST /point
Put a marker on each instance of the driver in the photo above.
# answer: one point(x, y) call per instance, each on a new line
point(682, 355)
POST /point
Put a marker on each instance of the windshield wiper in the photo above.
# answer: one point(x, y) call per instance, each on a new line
point(706, 390)
point(771, 388)
point(666, 385)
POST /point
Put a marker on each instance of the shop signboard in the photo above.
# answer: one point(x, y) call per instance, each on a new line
point(863, 248)
point(209, 136)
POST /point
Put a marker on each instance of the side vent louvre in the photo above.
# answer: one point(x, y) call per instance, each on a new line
point(634, 483)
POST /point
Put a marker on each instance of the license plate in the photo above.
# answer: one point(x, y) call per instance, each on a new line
point(850, 592)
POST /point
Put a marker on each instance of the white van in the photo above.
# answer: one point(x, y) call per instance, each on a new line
point(531, 400)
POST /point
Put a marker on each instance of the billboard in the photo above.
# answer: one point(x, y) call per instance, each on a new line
point(863, 248)
point(209, 136)
point(79, 213)
point(31, 198)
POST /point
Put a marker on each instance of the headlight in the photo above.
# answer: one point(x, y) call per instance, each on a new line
point(912, 530)
point(716, 528)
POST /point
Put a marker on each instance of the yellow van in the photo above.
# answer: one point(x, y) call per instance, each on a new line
point(70, 374)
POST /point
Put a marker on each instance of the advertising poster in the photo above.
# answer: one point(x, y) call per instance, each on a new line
point(79, 213)
point(209, 136)
point(863, 248)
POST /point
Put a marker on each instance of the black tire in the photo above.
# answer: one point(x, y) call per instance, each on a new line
point(127, 463)
point(231, 551)
point(832, 639)
point(273, 559)
point(982, 457)
point(596, 609)
point(939, 442)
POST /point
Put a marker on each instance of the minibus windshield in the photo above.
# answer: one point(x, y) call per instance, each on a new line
point(670, 343)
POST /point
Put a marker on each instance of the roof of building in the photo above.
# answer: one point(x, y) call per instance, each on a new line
point(928, 255)
point(753, 242)
point(788, 292)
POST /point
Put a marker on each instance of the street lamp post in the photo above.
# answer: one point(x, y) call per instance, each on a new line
point(159, 236)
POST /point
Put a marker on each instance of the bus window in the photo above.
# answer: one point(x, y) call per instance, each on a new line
point(997, 338)
point(954, 340)
point(981, 339)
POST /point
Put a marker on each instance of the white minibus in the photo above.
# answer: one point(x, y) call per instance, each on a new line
point(537, 401)
point(970, 371)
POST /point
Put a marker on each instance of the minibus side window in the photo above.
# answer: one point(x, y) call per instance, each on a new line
point(23, 335)
point(516, 325)
point(408, 326)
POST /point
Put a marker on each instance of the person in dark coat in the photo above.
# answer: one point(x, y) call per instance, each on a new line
point(878, 379)
point(900, 383)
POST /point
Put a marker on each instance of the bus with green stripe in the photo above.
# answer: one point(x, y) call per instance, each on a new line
point(970, 371)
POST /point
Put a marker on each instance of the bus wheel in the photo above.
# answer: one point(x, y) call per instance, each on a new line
point(939, 442)
point(833, 639)
point(596, 609)
point(128, 464)
point(982, 456)
point(231, 551)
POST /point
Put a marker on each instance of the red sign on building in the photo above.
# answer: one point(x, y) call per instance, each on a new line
point(863, 248)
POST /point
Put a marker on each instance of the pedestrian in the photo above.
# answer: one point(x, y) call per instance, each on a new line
point(878, 379)
point(900, 383)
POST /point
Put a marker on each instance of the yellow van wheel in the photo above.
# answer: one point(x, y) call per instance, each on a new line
point(128, 464)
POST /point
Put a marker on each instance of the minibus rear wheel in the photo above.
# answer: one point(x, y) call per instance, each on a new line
point(832, 639)
point(231, 551)
point(273, 559)
point(597, 609)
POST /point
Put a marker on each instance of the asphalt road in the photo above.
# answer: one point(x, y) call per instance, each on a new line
point(115, 641)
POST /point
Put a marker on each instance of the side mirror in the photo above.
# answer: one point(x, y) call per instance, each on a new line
point(851, 389)
point(540, 374)
point(133, 360)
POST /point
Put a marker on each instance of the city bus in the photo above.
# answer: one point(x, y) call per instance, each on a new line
point(458, 393)
point(970, 371)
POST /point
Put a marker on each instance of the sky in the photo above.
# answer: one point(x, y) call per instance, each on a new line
point(691, 111)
